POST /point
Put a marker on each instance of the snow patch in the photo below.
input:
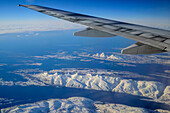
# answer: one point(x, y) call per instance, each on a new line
point(112, 57)
point(166, 95)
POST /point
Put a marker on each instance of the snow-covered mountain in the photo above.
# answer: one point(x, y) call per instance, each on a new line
point(73, 105)
point(149, 89)
point(97, 79)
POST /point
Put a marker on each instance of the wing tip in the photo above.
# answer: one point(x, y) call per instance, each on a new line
point(19, 5)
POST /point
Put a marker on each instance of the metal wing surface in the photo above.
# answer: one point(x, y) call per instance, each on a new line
point(149, 40)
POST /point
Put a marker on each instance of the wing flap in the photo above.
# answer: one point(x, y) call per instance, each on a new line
point(139, 49)
point(89, 32)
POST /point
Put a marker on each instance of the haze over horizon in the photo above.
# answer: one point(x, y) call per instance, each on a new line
point(145, 12)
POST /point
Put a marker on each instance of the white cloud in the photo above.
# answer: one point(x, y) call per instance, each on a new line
point(167, 71)
point(34, 64)
point(35, 25)
point(58, 55)
point(36, 34)
point(18, 36)
point(3, 64)
point(126, 64)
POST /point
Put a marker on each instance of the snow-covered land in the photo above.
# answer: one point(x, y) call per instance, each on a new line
point(115, 84)
point(73, 105)
point(93, 79)
point(5, 101)
point(96, 79)
point(136, 59)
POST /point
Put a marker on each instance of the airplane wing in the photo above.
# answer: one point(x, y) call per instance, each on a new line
point(149, 40)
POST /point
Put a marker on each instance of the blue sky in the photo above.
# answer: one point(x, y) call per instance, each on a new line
point(138, 11)
point(108, 8)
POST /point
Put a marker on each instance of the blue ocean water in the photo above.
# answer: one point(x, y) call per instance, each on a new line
point(16, 50)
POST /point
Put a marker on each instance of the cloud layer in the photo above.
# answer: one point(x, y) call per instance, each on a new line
point(45, 25)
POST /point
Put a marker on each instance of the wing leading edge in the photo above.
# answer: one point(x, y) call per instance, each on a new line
point(149, 40)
